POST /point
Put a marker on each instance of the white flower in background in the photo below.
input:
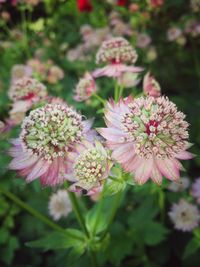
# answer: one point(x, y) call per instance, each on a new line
point(173, 33)
point(179, 186)
point(143, 40)
point(59, 205)
point(185, 216)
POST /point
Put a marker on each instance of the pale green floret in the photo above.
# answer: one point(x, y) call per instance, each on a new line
point(48, 131)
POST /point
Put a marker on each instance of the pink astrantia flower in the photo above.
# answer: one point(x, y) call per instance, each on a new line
point(19, 71)
point(184, 215)
point(116, 53)
point(173, 33)
point(91, 166)
point(47, 136)
point(148, 136)
point(85, 88)
point(150, 86)
point(25, 92)
point(195, 191)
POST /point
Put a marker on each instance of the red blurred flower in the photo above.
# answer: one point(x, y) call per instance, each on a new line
point(156, 3)
point(122, 2)
point(84, 5)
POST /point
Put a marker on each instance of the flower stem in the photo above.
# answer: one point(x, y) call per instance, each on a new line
point(78, 212)
point(99, 98)
point(117, 201)
point(32, 211)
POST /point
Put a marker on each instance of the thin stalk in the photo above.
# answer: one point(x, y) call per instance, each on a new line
point(118, 197)
point(32, 211)
point(116, 92)
point(99, 98)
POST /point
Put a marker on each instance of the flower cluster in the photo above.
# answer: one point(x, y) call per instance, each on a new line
point(147, 136)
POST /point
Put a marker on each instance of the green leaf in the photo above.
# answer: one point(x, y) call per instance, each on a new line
point(7, 253)
point(58, 240)
point(96, 220)
point(4, 234)
point(192, 247)
point(154, 233)
point(114, 186)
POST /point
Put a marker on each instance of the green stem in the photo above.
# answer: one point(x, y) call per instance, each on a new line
point(32, 211)
point(118, 197)
point(99, 98)
point(116, 92)
point(77, 211)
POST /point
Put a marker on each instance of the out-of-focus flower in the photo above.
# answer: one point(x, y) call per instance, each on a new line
point(122, 29)
point(121, 2)
point(128, 79)
point(85, 88)
point(16, 34)
point(76, 53)
point(37, 67)
point(173, 33)
point(47, 136)
point(195, 191)
point(143, 40)
point(185, 216)
point(156, 3)
point(116, 53)
point(2, 125)
point(84, 5)
point(134, 7)
point(19, 71)
point(5, 15)
point(55, 74)
point(181, 40)
point(180, 186)
point(91, 165)
point(148, 136)
point(195, 5)
point(150, 86)
point(59, 205)
point(32, 2)
point(151, 53)
point(25, 92)
point(15, 118)
point(192, 27)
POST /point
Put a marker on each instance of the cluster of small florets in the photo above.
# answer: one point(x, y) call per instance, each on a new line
point(116, 50)
point(156, 127)
point(195, 5)
point(48, 131)
point(26, 88)
point(85, 88)
point(90, 167)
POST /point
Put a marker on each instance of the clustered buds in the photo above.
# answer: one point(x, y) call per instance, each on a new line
point(116, 50)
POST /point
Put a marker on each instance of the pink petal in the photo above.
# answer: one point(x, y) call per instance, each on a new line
point(143, 172)
point(184, 155)
point(111, 134)
point(124, 152)
point(168, 169)
point(39, 169)
point(22, 161)
point(156, 175)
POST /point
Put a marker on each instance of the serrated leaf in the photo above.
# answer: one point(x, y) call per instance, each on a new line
point(192, 247)
point(58, 240)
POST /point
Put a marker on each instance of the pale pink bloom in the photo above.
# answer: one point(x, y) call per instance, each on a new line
point(59, 205)
point(195, 191)
point(37, 67)
point(55, 74)
point(185, 216)
point(148, 136)
point(48, 135)
point(128, 79)
point(156, 3)
point(85, 88)
point(25, 92)
point(19, 71)
point(179, 186)
point(32, 2)
point(143, 40)
point(116, 53)
point(150, 86)
point(173, 33)
point(5, 15)
point(2, 126)
point(90, 167)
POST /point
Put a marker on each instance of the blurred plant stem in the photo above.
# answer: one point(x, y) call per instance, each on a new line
point(78, 213)
point(25, 32)
point(32, 211)
point(101, 100)
point(115, 207)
